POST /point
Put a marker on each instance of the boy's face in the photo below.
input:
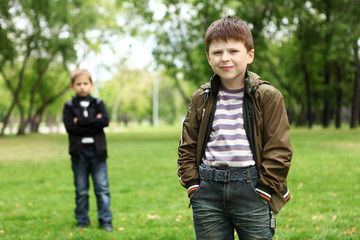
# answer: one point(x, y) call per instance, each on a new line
point(229, 60)
point(82, 86)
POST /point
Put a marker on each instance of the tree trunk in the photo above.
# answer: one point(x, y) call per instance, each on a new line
point(308, 94)
point(338, 97)
point(40, 111)
point(181, 90)
point(327, 67)
point(356, 97)
point(326, 113)
point(35, 124)
point(7, 117)
point(23, 122)
point(15, 91)
point(41, 68)
point(115, 108)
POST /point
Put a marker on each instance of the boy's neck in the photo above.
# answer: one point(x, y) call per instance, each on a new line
point(85, 98)
point(233, 84)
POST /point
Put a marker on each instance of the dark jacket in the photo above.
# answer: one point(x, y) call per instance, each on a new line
point(266, 126)
point(86, 126)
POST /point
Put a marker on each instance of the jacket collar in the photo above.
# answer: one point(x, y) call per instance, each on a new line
point(247, 83)
point(77, 98)
point(252, 82)
point(215, 82)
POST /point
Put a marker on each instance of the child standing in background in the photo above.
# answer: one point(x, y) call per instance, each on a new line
point(84, 118)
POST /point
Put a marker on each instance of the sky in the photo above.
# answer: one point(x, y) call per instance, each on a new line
point(104, 65)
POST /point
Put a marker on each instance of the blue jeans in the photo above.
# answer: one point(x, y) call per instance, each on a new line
point(88, 164)
point(221, 207)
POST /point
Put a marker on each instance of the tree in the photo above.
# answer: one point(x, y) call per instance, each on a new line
point(128, 96)
point(326, 30)
point(40, 35)
point(302, 47)
point(180, 31)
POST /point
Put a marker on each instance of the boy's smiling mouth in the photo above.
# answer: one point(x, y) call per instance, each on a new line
point(226, 68)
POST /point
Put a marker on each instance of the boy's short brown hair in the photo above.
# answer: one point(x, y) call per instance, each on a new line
point(229, 27)
point(77, 72)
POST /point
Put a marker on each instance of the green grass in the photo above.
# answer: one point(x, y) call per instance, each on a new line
point(37, 192)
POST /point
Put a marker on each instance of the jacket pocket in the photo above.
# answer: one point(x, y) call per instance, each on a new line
point(279, 199)
point(200, 192)
point(258, 194)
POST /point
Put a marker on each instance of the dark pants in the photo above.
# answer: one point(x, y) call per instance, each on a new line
point(223, 205)
point(88, 164)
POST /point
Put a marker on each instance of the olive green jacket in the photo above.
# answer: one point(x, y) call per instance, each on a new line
point(267, 128)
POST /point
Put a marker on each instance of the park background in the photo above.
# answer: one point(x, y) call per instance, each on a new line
point(147, 58)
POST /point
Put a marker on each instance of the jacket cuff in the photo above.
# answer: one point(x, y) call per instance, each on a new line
point(191, 190)
point(264, 192)
point(188, 184)
point(286, 194)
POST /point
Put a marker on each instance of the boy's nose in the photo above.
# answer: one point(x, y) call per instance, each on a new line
point(225, 57)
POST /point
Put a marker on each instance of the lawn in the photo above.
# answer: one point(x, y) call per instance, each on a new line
point(37, 192)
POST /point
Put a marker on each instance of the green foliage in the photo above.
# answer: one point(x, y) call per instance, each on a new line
point(322, 54)
point(129, 95)
point(306, 48)
point(181, 49)
point(4, 101)
point(148, 202)
point(171, 109)
point(6, 45)
point(40, 38)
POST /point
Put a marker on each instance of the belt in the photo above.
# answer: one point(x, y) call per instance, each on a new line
point(208, 173)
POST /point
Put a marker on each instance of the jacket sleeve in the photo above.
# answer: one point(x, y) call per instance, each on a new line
point(277, 149)
point(70, 126)
point(93, 122)
point(187, 165)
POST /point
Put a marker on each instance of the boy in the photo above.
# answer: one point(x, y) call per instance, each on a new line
point(234, 152)
point(84, 118)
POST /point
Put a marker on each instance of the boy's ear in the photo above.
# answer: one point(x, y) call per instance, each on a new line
point(207, 56)
point(251, 54)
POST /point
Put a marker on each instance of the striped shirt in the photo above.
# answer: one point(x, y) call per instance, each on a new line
point(228, 143)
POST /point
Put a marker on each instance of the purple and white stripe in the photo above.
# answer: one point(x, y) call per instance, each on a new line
point(228, 143)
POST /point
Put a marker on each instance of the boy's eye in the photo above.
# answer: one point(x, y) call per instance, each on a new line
point(234, 51)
